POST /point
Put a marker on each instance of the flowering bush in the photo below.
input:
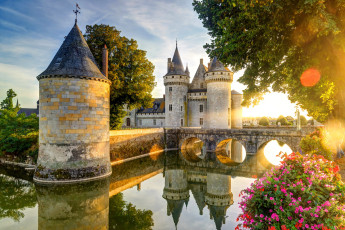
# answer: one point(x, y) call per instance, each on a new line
point(315, 143)
point(304, 192)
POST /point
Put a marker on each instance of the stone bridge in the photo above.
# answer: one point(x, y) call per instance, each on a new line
point(251, 139)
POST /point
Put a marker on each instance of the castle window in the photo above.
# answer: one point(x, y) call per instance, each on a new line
point(170, 89)
point(181, 108)
point(181, 122)
point(201, 121)
point(184, 98)
point(154, 121)
point(180, 76)
point(221, 73)
point(140, 122)
point(172, 76)
point(170, 107)
point(201, 108)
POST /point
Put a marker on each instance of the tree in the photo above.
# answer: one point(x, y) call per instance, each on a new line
point(124, 215)
point(264, 121)
point(130, 71)
point(275, 42)
point(282, 120)
point(18, 132)
point(303, 120)
point(8, 102)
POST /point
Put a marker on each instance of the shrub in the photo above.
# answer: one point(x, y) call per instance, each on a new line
point(264, 121)
point(304, 192)
point(314, 143)
point(282, 120)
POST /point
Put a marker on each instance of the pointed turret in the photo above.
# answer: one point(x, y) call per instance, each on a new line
point(176, 66)
point(199, 77)
point(73, 59)
point(187, 70)
point(216, 65)
point(17, 105)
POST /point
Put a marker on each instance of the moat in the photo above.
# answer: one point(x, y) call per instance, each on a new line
point(162, 191)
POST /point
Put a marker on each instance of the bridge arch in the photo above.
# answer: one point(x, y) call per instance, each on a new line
point(230, 152)
point(268, 151)
point(192, 149)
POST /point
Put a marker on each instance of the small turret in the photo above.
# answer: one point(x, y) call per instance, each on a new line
point(187, 70)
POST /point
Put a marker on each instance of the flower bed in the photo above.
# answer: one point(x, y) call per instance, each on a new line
point(304, 192)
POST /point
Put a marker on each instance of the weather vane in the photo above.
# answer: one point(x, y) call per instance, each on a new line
point(76, 11)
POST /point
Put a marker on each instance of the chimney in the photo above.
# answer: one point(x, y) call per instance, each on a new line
point(201, 61)
point(164, 97)
point(105, 61)
point(169, 64)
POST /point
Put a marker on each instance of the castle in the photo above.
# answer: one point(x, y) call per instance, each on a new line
point(206, 102)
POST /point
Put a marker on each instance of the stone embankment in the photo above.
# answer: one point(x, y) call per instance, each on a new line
point(132, 143)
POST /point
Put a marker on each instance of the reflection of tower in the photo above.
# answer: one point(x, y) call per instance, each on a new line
point(218, 197)
point(176, 192)
point(76, 206)
point(197, 184)
point(235, 151)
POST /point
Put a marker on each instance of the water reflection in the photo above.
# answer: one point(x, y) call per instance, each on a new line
point(193, 149)
point(15, 196)
point(230, 152)
point(271, 149)
point(207, 187)
point(75, 206)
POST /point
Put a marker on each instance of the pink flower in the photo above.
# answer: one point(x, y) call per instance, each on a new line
point(271, 198)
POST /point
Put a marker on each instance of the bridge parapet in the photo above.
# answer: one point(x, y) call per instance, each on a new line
point(251, 139)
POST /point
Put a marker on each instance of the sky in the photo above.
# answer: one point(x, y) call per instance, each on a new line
point(32, 31)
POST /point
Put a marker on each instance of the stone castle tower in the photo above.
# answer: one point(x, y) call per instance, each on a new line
point(176, 83)
point(74, 115)
point(207, 102)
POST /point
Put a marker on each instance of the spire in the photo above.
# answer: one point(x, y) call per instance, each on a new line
point(216, 65)
point(17, 105)
point(73, 59)
point(187, 70)
point(177, 67)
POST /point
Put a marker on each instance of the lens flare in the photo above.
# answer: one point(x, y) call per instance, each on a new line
point(310, 77)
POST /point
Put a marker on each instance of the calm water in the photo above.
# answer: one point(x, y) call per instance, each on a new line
point(158, 192)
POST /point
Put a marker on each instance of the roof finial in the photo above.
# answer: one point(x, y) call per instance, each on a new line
point(76, 11)
point(176, 42)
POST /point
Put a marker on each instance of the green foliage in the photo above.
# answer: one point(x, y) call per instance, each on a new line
point(275, 42)
point(282, 120)
point(8, 102)
point(315, 144)
point(264, 121)
point(303, 120)
point(302, 192)
point(15, 196)
point(124, 215)
point(18, 133)
point(130, 71)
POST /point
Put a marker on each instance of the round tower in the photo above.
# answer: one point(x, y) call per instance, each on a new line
point(73, 115)
point(176, 83)
point(236, 110)
point(218, 80)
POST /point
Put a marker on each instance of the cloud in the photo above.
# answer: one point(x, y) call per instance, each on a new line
point(12, 26)
point(16, 13)
point(22, 80)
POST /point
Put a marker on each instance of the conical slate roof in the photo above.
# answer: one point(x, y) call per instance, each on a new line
point(199, 77)
point(175, 207)
point(235, 92)
point(177, 67)
point(216, 65)
point(73, 59)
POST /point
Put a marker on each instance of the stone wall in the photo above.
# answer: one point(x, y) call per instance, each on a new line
point(74, 128)
point(134, 142)
point(194, 114)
